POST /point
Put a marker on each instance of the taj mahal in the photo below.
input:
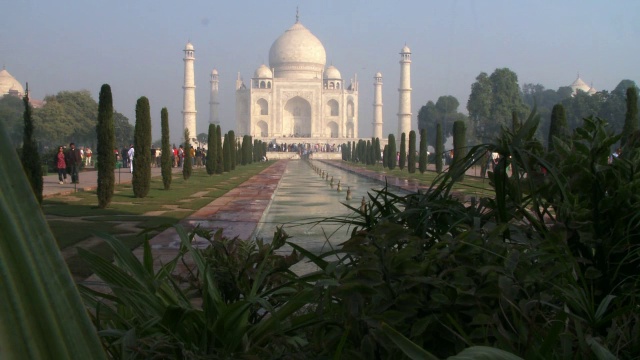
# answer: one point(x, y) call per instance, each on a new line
point(297, 98)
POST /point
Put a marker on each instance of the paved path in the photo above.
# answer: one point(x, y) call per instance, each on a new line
point(88, 181)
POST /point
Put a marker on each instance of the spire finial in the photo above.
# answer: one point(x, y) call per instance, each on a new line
point(297, 15)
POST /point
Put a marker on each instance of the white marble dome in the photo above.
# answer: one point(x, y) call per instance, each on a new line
point(189, 46)
point(332, 73)
point(263, 72)
point(8, 82)
point(378, 74)
point(214, 72)
point(297, 54)
point(405, 49)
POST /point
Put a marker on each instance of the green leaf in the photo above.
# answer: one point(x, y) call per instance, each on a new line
point(600, 351)
point(41, 312)
point(484, 353)
point(408, 347)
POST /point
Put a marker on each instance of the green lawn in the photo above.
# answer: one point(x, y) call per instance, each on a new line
point(74, 218)
point(472, 185)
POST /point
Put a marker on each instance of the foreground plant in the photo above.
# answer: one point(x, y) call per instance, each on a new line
point(41, 313)
point(232, 299)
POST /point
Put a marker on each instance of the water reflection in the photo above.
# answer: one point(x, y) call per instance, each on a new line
point(304, 197)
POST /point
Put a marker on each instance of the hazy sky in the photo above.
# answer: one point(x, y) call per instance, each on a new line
point(136, 47)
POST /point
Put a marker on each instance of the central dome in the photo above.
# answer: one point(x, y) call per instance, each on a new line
point(297, 54)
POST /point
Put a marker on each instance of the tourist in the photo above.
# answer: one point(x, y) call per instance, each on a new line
point(180, 156)
point(175, 156)
point(60, 165)
point(73, 160)
point(125, 157)
point(87, 157)
point(130, 154)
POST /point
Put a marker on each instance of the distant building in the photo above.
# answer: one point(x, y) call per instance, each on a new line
point(12, 87)
point(296, 95)
point(582, 86)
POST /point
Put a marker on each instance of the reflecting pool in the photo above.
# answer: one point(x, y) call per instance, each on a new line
point(304, 197)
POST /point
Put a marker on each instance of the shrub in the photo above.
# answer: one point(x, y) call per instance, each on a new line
point(187, 166)
point(30, 157)
point(219, 152)
point(392, 152)
point(459, 146)
point(141, 180)
point(411, 157)
point(403, 151)
point(167, 152)
point(211, 152)
point(106, 143)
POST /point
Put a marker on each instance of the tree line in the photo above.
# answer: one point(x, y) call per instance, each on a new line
point(69, 116)
point(496, 98)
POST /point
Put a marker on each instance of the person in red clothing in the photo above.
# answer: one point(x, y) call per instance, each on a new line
point(60, 165)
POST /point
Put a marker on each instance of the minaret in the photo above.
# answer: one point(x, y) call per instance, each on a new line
point(377, 106)
point(404, 111)
point(213, 99)
point(189, 102)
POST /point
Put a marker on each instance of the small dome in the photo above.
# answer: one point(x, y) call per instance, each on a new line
point(297, 54)
point(8, 82)
point(378, 74)
point(579, 85)
point(405, 49)
point(592, 91)
point(189, 46)
point(214, 72)
point(263, 72)
point(332, 73)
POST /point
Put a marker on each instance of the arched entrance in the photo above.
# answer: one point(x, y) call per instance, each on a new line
point(263, 128)
point(297, 117)
point(332, 129)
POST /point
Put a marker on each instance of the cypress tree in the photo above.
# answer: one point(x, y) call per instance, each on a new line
point(105, 131)
point(232, 150)
point(245, 151)
point(367, 152)
point(558, 126)
point(411, 156)
point(187, 165)
point(211, 160)
point(219, 152)
point(141, 180)
point(439, 148)
point(459, 145)
point(392, 152)
point(251, 150)
point(385, 156)
point(257, 149)
point(238, 152)
point(348, 151)
point(165, 160)
point(423, 151)
point(354, 154)
point(226, 151)
point(631, 116)
point(403, 151)
point(377, 151)
point(30, 156)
